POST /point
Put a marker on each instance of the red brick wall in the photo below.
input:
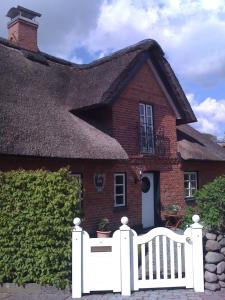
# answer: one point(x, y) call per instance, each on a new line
point(96, 204)
point(125, 112)
point(24, 35)
point(125, 128)
point(207, 170)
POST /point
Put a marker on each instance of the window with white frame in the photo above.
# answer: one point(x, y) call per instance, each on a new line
point(119, 189)
point(190, 184)
point(146, 128)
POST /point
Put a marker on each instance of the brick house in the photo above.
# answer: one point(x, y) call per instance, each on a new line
point(120, 123)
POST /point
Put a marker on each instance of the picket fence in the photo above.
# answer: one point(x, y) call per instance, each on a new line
point(128, 262)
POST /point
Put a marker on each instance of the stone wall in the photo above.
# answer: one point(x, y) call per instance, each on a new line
point(214, 261)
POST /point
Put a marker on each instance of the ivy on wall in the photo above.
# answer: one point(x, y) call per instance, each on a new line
point(36, 213)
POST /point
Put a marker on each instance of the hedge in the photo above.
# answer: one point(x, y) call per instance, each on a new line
point(36, 213)
point(210, 205)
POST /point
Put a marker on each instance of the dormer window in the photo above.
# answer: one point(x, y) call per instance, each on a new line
point(146, 129)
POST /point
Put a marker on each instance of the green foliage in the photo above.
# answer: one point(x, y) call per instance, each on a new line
point(36, 213)
point(189, 212)
point(171, 208)
point(210, 205)
point(103, 225)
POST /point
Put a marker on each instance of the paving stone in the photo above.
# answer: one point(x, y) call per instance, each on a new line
point(210, 267)
point(214, 257)
point(4, 295)
point(50, 293)
point(210, 277)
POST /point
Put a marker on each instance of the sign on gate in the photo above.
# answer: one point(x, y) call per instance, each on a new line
point(127, 262)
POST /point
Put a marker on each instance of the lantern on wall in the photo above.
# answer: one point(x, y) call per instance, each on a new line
point(99, 181)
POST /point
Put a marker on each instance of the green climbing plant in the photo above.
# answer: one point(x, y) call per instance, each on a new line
point(36, 213)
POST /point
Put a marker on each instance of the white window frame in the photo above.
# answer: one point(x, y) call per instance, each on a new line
point(146, 122)
point(189, 180)
point(124, 189)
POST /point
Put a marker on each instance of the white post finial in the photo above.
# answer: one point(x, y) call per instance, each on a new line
point(196, 223)
point(196, 218)
point(76, 221)
point(124, 220)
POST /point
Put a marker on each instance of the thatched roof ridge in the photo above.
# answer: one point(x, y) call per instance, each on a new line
point(193, 145)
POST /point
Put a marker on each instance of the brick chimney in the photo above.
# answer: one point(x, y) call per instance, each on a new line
point(22, 28)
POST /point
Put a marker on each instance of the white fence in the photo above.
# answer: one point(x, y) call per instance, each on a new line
point(127, 262)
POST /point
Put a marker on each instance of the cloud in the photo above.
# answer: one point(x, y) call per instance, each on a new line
point(210, 114)
point(63, 24)
point(190, 32)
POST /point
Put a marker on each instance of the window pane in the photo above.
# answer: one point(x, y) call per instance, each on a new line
point(119, 179)
point(186, 192)
point(146, 129)
point(193, 176)
point(141, 109)
point(119, 200)
point(119, 189)
point(149, 121)
point(186, 184)
point(190, 183)
point(193, 191)
point(148, 111)
point(186, 177)
point(142, 119)
point(193, 184)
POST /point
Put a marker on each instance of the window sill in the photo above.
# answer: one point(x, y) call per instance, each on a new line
point(119, 208)
point(190, 199)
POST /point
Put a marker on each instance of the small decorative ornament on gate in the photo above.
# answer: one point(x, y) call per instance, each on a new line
point(99, 181)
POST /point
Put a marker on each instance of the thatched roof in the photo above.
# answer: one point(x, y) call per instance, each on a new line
point(35, 118)
point(105, 78)
point(193, 145)
point(38, 92)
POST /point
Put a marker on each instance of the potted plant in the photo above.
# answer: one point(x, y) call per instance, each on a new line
point(103, 228)
point(171, 209)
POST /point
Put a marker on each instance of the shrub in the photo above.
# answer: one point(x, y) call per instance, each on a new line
point(189, 212)
point(210, 204)
point(36, 213)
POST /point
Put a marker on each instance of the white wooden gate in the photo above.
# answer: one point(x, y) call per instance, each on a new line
point(128, 262)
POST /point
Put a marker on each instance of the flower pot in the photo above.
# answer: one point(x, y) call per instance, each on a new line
point(103, 234)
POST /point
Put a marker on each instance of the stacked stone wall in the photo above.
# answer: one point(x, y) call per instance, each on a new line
point(214, 261)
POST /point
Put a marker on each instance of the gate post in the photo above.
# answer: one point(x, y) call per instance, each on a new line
point(125, 257)
point(197, 250)
point(77, 273)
